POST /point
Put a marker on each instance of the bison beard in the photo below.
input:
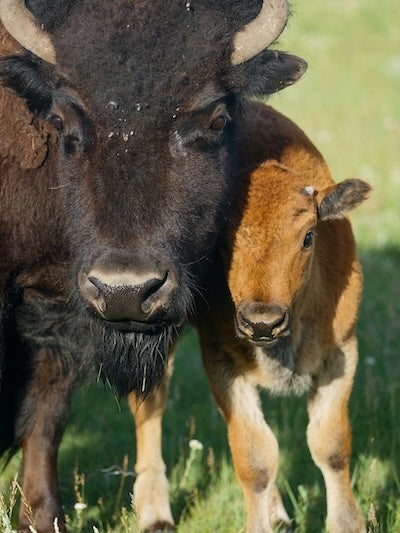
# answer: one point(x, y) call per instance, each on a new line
point(131, 361)
point(136, 361)
point(127, 361)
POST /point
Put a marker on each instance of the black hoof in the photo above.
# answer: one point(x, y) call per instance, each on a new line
point(161, 527)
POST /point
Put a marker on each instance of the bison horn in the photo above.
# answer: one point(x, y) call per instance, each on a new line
point(21, 25)
point(260, 32)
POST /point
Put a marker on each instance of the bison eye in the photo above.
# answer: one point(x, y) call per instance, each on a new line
point(56, 122)
point(218, 124)
point(308, 239)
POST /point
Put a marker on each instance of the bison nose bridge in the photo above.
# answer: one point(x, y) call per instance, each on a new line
point(261, 321)
point(128, 295)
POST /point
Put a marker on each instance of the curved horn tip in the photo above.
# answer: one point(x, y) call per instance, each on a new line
point(258, 34)
point(21, 25)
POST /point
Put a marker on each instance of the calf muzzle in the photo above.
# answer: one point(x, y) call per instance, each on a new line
point(262, 322)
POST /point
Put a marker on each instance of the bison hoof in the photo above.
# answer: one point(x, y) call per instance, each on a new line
point(161, 527)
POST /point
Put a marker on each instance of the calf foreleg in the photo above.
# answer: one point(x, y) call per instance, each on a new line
point(151, 496)
point(254, 447)
point(329, 439)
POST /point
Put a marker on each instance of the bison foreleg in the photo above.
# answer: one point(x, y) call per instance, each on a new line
point(44, 415)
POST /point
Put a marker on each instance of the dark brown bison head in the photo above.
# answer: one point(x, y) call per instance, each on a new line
point(145, 97)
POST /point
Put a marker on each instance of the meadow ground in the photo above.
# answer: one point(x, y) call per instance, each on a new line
point(349, 104)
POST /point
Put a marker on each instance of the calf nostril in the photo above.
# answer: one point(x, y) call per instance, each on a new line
point(282, 326)
point(275, 325)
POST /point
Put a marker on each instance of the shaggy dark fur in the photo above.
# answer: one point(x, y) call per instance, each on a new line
point(40, 333)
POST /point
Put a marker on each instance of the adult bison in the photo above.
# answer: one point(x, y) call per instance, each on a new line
point(118, 155)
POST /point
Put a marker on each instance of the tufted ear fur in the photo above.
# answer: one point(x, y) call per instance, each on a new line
point(29, 77)
point(341, 198)
point(266, 73)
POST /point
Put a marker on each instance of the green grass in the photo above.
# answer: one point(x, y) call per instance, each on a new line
point(349, 104)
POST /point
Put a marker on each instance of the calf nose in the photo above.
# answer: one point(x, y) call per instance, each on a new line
point(128, 295)
point(259, 321)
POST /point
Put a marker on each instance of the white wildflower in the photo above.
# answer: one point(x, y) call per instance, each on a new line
point(80, 506)
point(195, 444)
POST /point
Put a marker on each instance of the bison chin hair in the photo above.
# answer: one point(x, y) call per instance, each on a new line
point(132, 361)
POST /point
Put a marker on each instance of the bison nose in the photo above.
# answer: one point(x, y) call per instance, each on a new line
point(263, 322)
point(129, 295)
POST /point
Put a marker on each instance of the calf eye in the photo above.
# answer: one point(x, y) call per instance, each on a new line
point(218, 124)
point(308, 239)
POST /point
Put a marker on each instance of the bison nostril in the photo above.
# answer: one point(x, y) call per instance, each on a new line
point(152, 294)
point(127, 296)
point(92, 289)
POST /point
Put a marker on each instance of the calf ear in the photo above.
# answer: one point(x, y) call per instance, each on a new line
point(341, 198)
point(266, 73)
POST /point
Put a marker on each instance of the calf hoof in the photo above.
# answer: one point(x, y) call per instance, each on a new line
point(160, 527)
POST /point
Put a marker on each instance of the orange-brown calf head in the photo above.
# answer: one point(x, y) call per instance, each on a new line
point(273, 250)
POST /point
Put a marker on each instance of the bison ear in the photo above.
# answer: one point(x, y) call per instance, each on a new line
point(266, 73)
point(341, 198)
point(30, 78)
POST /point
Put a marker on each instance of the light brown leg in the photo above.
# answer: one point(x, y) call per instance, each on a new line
point(254, 447)
point(329, 439)
point(151, 497)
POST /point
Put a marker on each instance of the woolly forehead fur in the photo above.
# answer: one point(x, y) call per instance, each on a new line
point(282, 190)
point(143, 55)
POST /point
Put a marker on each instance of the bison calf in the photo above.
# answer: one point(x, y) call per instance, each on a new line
point(282, 315)
point(295, 282)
